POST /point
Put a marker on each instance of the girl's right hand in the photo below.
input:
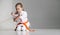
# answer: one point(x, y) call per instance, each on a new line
point(14, 15)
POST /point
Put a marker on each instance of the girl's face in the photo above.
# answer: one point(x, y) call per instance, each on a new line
point(19, 8)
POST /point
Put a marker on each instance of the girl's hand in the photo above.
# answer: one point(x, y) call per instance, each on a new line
point(17, 18)
point(13, 14)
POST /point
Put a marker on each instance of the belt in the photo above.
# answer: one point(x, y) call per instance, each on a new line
point(24, 25)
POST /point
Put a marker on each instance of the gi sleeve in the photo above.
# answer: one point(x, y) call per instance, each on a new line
point(23, 17)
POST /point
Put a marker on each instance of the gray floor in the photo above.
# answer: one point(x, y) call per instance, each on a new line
point(37, 32)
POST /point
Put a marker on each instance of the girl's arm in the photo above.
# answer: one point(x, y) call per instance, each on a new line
point(23, 17)
point(14, 15)
point(17, 18)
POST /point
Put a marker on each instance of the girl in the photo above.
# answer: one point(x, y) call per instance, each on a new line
point(20, 16)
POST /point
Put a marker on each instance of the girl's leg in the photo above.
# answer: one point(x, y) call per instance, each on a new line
point(17, 26)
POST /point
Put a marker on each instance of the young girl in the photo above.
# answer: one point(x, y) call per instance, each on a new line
point(20, 16)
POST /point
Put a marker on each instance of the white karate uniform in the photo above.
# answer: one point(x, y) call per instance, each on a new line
point(23, 17)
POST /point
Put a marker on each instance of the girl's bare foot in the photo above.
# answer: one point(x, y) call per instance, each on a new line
point(32, 30)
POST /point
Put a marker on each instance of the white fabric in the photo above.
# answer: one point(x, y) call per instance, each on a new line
point(23, 28)
point(23, 17)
